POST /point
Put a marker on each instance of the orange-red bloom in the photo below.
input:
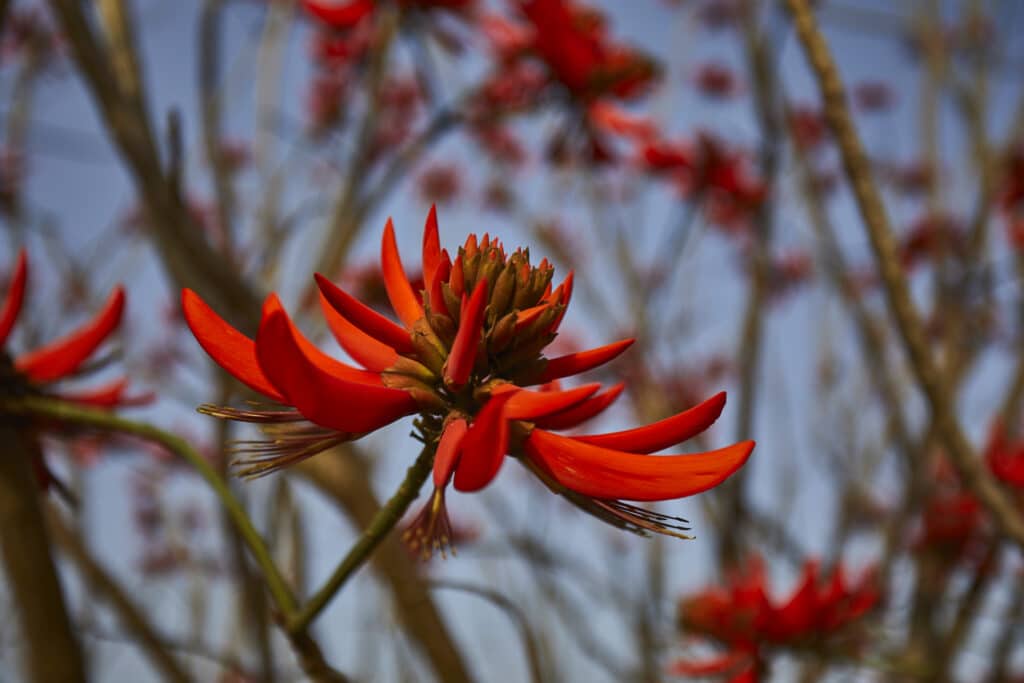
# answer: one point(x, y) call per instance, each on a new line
point(34, 371)
point(742, 618)
point(460, 357)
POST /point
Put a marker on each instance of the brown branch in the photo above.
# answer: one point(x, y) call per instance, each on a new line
point(876, 222)
point(52, 653)
point(101, 584)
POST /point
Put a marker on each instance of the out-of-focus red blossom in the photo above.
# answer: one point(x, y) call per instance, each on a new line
point(440, 183)
point(807, 127)
point(1005, 457)
point(873, 96)
point(613, 119)
point(1012, 194)
point(500, 144)
point(716, 81)
point(26, 30)
point(929, 235)
point(743, 619)
point(339, 15)
point(573, 43)
point(788, 271)
point(399, 103)
point(468, 344)
point(911, 179)
point(324, 102)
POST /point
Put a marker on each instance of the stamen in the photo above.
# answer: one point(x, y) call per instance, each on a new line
point(431, 530)
point(287, 444)
point(640, 520)
point(257, 415)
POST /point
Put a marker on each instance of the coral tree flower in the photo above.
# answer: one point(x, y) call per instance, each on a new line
point(742, 618)
point(34, 372)
point(459, 357)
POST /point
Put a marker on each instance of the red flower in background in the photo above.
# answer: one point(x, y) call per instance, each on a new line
point(1005, 457)
point(743, 619)
point(716, 80)
point(35, 372)
point(460, 358)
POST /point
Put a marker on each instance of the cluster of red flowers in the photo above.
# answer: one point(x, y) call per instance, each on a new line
point(466, 347)
point(748, 624)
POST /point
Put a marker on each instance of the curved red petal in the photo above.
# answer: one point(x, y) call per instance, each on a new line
point(367, 351)
point(109, 395)
point(331, 366)
point(400, 293)
point(324, 398)
point(344, 15)
point(528, 405)
point(463, 353)
point(15, 296)
point(365, 318)
point(441, 273)
point(664, 433)
point(609, 474)
point(575, 363)
point(446, 457)
point(580, 413)
point(62, 357)
point(528, 315)
point(431, 246)
point(483, 447)
point(228, 347)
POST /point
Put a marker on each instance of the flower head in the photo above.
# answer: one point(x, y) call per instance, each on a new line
point(460, 357)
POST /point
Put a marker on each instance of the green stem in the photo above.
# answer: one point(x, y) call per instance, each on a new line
point(382, 524)
point(99, 419)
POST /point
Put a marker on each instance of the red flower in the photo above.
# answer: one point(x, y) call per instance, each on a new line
point(873, 96)
point(1005, 458)
point(716, 80)
point(746, 621)
point(571, 41)
point(465, 348)
point(34, 371)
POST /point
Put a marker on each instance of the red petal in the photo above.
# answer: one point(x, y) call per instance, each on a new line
point(528, 315)
point(431, 246)
point(324, 398)
point(578, 414)
point(108, 396)
point(367, 351)
point(463, 353)
point(403, 298)
point(365, 318)
point(331, 366)
point(447, 451)
point(62, 357)
point(441, 273)
point(338, 15)
point(527, 405)
point(483, 448)
point(724, 663)
point(575, 363)
point(609, 474)
point(665, 433)
point(228, 347)
point(15, 296)
point(796, 617)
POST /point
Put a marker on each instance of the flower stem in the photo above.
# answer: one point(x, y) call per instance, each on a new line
point(382, 523)
point(99, 419)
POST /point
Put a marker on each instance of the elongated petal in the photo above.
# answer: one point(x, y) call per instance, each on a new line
point(330, 365)
point(664, 433)
point(322, 397)
point(14, 298)
point(528, 315)
point(109, 395)
point(463, 353)
point(581, 412)
point(431, 246)
point(575, 363)
point(62, 357)
point(367, 351)
point(228, 347)
point(447, 456)
point(365, 318)
point(529, 405)
point(483, 447)
point(441, 273)
point(609, 474)
point(403, 299)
